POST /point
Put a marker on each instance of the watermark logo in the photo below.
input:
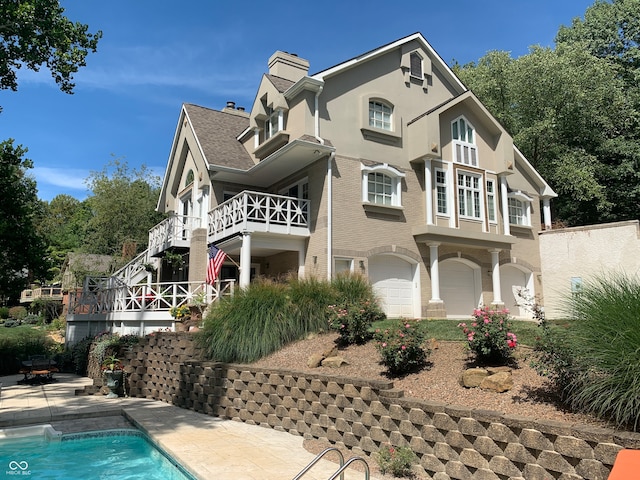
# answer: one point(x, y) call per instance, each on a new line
point(18, 468)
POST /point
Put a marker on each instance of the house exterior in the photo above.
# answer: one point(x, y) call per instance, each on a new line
point(385, 164)
point(574, 256)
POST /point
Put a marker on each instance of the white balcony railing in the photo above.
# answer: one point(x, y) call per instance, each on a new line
point(254, 211)
point(174, 231)
point(107, 295)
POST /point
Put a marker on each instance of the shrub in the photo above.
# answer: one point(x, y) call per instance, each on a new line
point(18, 312)
point(396, 460)
point(309, 298)
point(11, 323)
point(4, 313)
point(31, 319)
point(59, 323)
point(18, 344)
point(353, 321)
point(489, 336)
point(604, 343)
point(253, 323)
point(352, 288)
point(401, 347)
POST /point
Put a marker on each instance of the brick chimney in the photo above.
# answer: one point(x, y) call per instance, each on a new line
point(288, 66)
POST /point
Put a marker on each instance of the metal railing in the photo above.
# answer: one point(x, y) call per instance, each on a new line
point(264, 209)
point(341, 469)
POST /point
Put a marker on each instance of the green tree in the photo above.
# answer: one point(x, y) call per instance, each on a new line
point(571, 115)
point(63, 226)
point(21, 247)
point(122, 207)
point(35, 33)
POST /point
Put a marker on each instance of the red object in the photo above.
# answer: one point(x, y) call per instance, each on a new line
point(626, 466)
point(216, 258)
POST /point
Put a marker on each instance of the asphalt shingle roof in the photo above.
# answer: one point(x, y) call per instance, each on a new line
point(217, 131)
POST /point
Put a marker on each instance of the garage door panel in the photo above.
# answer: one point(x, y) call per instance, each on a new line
point(392, 280)
point(457, 288)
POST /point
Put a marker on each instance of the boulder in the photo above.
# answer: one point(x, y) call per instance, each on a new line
point(334, 362)
point(498, 382)
point(473, 377)
point(315, 360)
point(493, 370)
point(332, 352)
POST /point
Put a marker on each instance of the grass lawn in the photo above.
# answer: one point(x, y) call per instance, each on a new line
point(527, 332)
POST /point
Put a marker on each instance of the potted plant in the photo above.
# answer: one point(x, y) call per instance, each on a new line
point(112, 370)
point(181, 313)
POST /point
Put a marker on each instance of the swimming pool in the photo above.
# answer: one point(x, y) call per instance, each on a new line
point(110, 454)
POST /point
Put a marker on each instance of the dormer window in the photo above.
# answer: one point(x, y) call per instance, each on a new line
point(273, 123)
point(380, 115)
point(415, 65)
point(463, 135)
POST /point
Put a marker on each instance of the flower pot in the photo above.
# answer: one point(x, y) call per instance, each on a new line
point(113, 381)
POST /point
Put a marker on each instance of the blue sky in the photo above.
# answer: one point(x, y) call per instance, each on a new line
point(157, 54)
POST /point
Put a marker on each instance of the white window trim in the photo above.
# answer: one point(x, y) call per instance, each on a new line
point(348, 260)
point(300, 183)
point(446, 191)
point(493, 196)
point(526, 202)
point(384, 105)
point(396, 178)
point(480, 191)
point(472, 147)
point(413, 75)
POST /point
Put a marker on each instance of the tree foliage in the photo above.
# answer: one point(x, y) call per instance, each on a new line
point(35, 33)
point(122, 208)
point(21, 247)
point(573, 111)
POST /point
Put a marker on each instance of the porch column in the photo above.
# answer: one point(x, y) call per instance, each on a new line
point(495, 275)
point(435, 272)
point(301, 258)
point(546, 213)
point(428, 190)
point(245, 260)
point(504, 201)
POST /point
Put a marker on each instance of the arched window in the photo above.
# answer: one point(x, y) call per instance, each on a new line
point(463, 135)
point(189, 179)
point(519, 209)
point(381, 185)
point(380, 115)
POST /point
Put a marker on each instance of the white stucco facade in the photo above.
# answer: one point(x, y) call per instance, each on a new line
point(572, 256)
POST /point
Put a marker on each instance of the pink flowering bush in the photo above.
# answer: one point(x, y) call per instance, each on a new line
point(401, 347)
point(352, 320)
point(489, 336)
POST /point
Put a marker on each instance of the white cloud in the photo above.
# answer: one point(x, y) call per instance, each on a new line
point(67, 178)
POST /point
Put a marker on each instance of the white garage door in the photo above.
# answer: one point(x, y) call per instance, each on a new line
point(511, 277)
point(392, 280)
point(457, 288)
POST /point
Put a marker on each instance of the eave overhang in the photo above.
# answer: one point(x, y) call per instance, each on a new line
point(464, 238)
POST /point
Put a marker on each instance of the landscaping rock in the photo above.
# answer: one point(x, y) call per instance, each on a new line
point(473, 377)
point(315, 360)
point(498, 382)
point(334, 362)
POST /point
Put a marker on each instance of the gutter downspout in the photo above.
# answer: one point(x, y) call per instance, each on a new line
point(316, 115)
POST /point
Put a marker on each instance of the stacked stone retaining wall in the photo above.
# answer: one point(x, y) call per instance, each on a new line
point(451, 442)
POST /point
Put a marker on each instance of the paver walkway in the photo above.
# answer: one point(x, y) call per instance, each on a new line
point(208, 447)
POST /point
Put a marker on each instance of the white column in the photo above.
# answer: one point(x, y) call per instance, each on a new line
point(280, 120)
point(435, 272)
point(504, 196)
point(546, 212)
point(428, 190)
point(495, 275)
point(245, 260)
point(256, 138)
point(301, 257)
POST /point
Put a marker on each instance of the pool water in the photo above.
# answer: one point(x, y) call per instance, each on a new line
point(122, 455)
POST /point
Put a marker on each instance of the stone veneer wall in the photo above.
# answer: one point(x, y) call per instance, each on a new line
point(451, 442)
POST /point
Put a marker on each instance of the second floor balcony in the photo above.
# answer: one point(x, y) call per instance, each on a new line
point(247, 211)
point(259, 212)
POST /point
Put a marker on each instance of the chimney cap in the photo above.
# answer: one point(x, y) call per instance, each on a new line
point(231, 105)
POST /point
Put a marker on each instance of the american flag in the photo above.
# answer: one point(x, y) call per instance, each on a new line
point(216, 257)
